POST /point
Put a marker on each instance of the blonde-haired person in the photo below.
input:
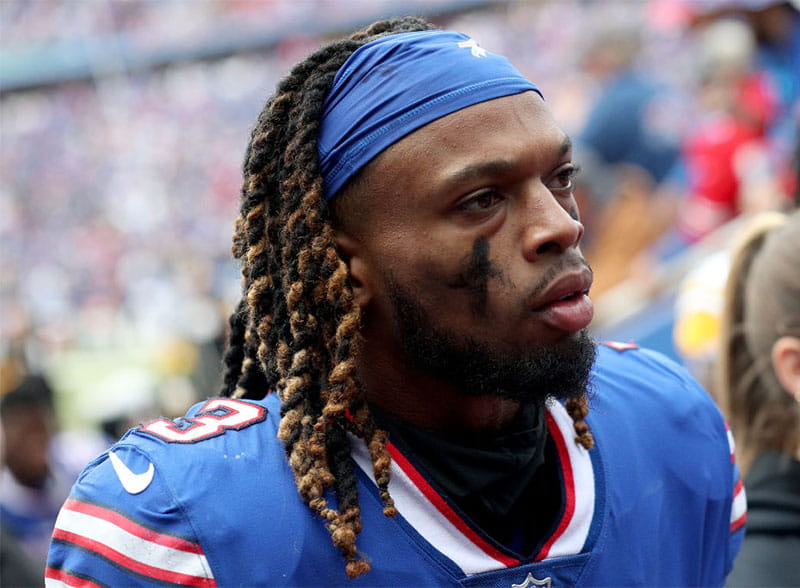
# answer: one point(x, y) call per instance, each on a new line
point(759, 386)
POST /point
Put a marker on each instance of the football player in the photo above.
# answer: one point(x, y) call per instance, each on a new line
point(411, 394)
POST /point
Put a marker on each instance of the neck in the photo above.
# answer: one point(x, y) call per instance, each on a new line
point(403, 392)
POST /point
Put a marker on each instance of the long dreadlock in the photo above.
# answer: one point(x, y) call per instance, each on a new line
point(296, 328)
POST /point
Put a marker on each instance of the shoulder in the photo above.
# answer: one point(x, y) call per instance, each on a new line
point(215, 437)
point(640, 396)
point(639, 377)
point(216, 440)
point(173, 496)
point(665, 457)
point(614, 354)
point(170, 466)
point(209, 420)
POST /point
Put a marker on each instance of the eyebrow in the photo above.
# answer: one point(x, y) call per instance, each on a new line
point(493, 167)
point(566, 145)
point(474, 171)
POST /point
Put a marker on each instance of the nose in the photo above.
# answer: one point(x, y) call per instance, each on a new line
point(549, 226)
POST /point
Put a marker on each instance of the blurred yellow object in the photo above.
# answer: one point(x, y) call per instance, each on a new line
point(177, 357)
point(697, 334)
point(698, 308)
point(11, 374)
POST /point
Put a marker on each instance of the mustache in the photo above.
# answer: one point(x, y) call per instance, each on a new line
point(570, 262)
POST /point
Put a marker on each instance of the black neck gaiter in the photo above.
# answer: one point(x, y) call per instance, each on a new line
point(485, 474)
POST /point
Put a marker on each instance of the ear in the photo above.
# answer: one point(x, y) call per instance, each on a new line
point(786, 363)
point(352, 252)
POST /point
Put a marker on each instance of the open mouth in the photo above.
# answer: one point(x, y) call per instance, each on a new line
point(573, 295)
point(569, 313)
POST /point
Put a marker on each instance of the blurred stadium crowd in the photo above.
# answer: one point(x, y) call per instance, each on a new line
point(124, 124)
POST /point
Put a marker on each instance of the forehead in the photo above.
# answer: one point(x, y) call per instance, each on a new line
point(509, 135)
point(521, 117)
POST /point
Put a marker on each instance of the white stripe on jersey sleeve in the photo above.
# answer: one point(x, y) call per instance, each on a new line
point(136, 548)
point(731, 442)
point(739, 506)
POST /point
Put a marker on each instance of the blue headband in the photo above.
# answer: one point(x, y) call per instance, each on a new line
point(390, 87)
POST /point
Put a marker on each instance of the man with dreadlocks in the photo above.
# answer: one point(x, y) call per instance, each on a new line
point(407, 382)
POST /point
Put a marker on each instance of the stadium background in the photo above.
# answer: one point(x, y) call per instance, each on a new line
point(123, 128)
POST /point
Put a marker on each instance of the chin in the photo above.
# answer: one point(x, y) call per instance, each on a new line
point(533, 372)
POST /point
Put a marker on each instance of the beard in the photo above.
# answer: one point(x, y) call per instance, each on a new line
point(527, 375)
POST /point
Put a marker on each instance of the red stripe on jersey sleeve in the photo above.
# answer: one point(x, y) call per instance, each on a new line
point(738, 523)
point(130, 563)
point(69, 579)
point(133, 528)
point(742, 519)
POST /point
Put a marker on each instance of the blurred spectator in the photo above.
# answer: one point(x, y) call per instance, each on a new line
point(700, 297)
point(38, 469)
point(775, 28)
point(759, 389)
point(728, 171)
point(776, 25)
point(626, 147)
point(631, 121)
point(30, 495)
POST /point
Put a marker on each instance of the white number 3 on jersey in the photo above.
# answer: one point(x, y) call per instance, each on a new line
point(214, 418)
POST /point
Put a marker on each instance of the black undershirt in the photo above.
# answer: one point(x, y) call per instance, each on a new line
point(507, 483)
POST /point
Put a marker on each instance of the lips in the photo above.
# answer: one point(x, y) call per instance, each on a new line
point(565, 305)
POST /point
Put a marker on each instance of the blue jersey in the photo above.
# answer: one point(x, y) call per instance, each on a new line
point(209, 500)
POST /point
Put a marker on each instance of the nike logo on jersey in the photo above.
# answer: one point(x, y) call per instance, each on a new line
point(133, 483)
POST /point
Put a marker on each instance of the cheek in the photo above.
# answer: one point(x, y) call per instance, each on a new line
point(416, 257)
point(465, 281)
point(429, 277)
point(448, 272)
point(427, 272)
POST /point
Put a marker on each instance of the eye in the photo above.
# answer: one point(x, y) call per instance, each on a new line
point(564, 179)
point(481, 201)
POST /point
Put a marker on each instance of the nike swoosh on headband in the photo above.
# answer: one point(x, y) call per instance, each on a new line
point(132, 483)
